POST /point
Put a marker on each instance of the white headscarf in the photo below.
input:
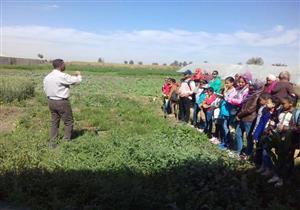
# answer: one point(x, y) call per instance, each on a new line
point(271, 77)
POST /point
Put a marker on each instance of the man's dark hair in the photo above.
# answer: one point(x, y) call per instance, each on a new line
point(57, 63)
point(216, 72)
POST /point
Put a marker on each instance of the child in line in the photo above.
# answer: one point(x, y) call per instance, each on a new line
point(208, 110)
point(237, 100)
point(174, 97)
point(295, 133)
point(199, 96)
point(217, 120)
point(166, 90)
point(225, 111)
point(281, 140)
point(262, 118)
point(240, 94)
point(201, 123)
point(262, 155)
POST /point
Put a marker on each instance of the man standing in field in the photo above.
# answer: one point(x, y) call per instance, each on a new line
point(57, 88)
point(186, 91)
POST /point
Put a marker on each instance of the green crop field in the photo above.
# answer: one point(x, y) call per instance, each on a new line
point(124, 155)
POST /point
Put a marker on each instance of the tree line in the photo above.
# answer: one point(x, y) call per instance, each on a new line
point(250, 61)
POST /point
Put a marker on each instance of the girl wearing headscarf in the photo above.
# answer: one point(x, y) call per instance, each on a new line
point(271, 81)
point(246, 116)
point(198, 75)
point(236, 101)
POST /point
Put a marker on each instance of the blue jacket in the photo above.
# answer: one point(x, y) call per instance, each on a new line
point(201, 98)
point(262, 124)
point(225, 108)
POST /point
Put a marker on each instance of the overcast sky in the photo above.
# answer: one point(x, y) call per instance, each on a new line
point(152, 31)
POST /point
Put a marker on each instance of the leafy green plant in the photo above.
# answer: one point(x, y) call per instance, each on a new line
point(18, 89)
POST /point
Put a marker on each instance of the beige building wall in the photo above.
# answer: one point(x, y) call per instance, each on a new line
point(19, 61)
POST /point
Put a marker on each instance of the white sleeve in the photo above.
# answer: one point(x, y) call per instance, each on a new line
point(196, 90)
point(70, 80)
point(193, 85)
point(44, 85)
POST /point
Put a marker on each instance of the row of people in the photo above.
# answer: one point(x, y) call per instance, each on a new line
point(241, 107)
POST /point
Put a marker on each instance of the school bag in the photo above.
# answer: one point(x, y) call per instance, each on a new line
point(296, 117)
point(174, 97)
point(215, 105)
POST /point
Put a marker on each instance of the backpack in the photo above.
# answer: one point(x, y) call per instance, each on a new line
point(174, 97)
point(296, 117)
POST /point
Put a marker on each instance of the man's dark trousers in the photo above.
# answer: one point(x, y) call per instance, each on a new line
point(60, 109)
point(184, 109)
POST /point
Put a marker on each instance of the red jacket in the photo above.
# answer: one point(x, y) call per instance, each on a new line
point(166, 89)
point(209, 99)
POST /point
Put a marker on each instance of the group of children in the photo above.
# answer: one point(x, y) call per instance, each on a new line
point(265, 114)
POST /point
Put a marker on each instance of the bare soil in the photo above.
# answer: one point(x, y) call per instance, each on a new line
point(8, 118)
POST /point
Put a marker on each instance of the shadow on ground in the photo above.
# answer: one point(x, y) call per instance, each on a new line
point(79, 132)
point(191, 185)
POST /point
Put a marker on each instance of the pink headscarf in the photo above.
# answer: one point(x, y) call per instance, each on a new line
point(198, 75)
point(272, 78)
